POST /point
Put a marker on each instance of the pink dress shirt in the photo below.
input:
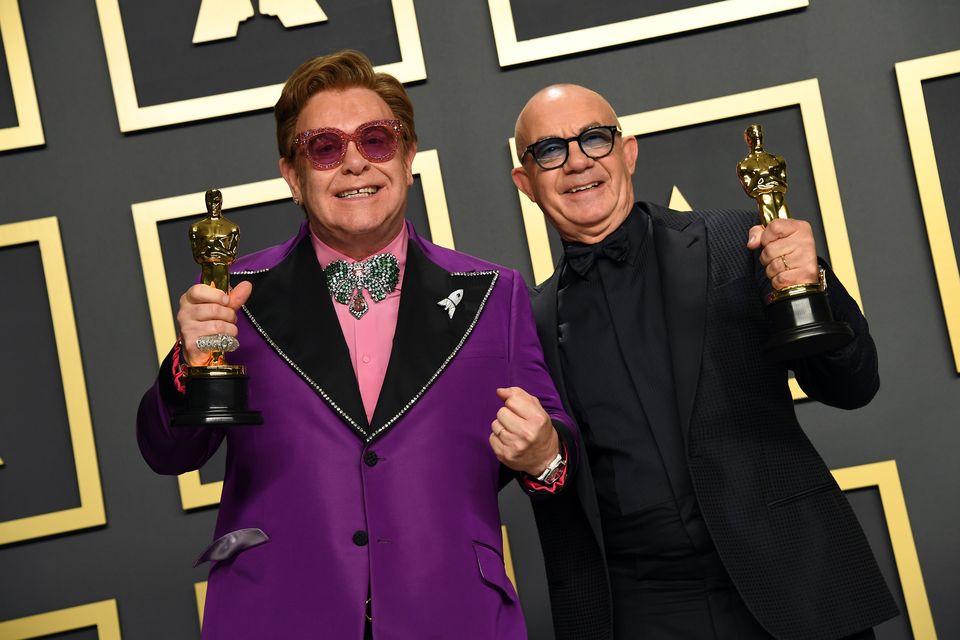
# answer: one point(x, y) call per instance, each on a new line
point(369, 339)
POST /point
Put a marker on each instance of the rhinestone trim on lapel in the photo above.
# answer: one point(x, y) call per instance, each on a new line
point(456, 350)
point(249, 272)
point(323, 394)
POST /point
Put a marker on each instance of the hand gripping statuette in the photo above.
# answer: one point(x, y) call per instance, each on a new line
point(800, 318)
point(216, 392)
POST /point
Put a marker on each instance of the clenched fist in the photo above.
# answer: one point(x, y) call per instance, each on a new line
point(523, 437)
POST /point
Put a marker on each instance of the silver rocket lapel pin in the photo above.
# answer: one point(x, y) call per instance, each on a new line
point(450, 303)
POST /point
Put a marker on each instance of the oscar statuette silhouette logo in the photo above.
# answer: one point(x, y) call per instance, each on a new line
point(800, 317)
point(216, 392)
point(220, 19)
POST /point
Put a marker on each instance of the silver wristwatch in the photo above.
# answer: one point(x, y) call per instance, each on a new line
point(552, 473)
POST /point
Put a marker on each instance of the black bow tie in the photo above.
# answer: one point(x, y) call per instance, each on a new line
point(581, 257)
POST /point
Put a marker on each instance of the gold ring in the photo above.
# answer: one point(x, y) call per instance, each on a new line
point(786, 267)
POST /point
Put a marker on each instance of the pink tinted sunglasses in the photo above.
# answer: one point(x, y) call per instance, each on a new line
point(377, 141)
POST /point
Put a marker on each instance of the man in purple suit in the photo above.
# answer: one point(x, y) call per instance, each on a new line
point(401, 385)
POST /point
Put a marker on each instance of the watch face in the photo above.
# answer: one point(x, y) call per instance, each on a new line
point(555, 474)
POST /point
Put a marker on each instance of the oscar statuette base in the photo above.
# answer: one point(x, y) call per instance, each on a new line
point(802, 325)
point(216, 397)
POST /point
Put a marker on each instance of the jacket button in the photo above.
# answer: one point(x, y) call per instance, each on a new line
point(360, 538)
point(370, 458)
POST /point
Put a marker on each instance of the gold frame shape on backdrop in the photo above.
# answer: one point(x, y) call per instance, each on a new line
point(90, 513)
point(910, 77)
point(885, 477)
point(102, 615)
point(511, 51)
point(29, 130)
point(133, 117)
point(200, 588)
point(200, 591)
point(193, 492)
point(804, 94)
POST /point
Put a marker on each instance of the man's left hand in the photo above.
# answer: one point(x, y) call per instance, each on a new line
point(789, 252)
point(523, 437)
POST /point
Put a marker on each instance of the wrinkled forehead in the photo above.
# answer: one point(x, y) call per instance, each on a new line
point(565, 113)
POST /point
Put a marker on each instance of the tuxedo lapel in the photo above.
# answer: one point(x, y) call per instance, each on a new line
point(544, 306)
point(292, 309)
point(427, 337)
point(682, 256)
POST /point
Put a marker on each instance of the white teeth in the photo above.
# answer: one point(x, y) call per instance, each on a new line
point(585, 187)
point(358, 193)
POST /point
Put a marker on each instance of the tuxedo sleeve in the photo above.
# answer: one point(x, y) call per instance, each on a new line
point(528, 371)
point(848, 377)
point(171, 450)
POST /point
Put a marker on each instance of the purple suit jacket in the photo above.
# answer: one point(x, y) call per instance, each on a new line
point(406, 505)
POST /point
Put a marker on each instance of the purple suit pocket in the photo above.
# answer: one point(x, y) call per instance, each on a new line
point(229, 545)
point(492, 571)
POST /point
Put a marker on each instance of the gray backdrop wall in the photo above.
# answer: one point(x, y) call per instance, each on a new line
point(137, 550)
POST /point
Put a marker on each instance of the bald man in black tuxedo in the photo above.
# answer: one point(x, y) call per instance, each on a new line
point(701, 509)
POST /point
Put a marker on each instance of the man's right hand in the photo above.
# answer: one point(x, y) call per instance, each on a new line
point(206, 311)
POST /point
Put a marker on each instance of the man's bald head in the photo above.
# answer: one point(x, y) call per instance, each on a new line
point(590, 193)
point(534, 113)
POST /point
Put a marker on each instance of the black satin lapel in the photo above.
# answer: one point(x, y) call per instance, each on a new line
point(426, 336)
point(682, 259)
point(545, 313)
point(544, 305)
point(292, 308)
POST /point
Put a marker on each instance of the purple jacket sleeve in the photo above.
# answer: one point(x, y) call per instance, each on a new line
point(529, 371)
point(171, 450)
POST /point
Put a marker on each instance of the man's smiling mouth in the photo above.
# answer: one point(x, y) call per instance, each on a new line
point(583, 187)
point(363, 192)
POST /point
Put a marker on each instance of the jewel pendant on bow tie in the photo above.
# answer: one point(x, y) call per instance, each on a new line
point(346, 281)
point(359, 305)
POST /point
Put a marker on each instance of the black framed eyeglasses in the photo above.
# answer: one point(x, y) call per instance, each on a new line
point(552, 153)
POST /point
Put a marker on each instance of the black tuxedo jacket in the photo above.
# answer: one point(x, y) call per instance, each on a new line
point(785, 532)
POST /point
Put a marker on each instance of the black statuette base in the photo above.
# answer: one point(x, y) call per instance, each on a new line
point(803, 326)
point(216, 402)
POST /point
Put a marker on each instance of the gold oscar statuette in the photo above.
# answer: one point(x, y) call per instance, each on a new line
point(217, 391)
point(801, 320)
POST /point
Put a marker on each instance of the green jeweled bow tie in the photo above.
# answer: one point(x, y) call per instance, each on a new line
point(347, 280)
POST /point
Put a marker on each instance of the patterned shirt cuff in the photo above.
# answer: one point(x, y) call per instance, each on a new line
point(179, 366)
